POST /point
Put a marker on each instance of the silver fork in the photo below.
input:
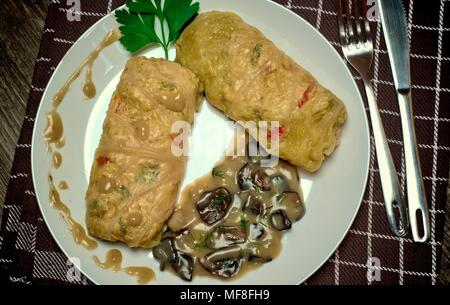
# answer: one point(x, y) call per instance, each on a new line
point(357, 46)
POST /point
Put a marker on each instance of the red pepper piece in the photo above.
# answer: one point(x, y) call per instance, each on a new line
point(103, 160)
point(276, 133)
point(305, 97)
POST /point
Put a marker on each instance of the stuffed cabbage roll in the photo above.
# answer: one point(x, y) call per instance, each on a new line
point(247, 77)
point(135, 177)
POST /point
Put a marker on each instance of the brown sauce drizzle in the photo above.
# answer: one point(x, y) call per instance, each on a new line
point(113, 261)
point(78, 233)
point(54, 131)
point(54, 135)
point(57, 160)
point(63, 185)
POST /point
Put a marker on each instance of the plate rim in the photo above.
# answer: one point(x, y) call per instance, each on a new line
point(366, 129)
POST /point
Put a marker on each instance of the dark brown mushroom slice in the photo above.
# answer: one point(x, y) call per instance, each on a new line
point(184, 266)
point(253, 205)
point(256, 231)
point(227, 236)
point(225, 262)
point(292, 204)
point(280, 221)
point(165, 252)
point(261, 179)
point(279, 184)
point(212, 206)
point(244, 177)
point(253, 177)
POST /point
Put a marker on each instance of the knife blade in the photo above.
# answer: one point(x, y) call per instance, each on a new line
point(393, 19)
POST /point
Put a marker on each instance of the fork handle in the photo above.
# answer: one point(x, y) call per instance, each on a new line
point(389, 181)
point(414, 182)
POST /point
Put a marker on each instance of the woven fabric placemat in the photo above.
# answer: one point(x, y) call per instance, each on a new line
point(29, 255)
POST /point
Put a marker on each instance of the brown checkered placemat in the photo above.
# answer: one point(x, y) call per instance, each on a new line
point(29, 255)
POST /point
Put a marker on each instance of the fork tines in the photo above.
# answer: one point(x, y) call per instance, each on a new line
point(353, 29)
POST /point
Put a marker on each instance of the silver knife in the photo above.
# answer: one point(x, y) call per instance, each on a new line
point(393, 19)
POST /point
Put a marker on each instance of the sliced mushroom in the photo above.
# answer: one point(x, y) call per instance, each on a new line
point(261, 179)
point(252, 177)
point(227, 236)
point(165, 253)
point(292, 204)
point(279, 184)
point(245, 177)
point(256, 231)
point(225, 262)
point(280, 221)
point(213, 205)
point(184, 266)
point(253, 205)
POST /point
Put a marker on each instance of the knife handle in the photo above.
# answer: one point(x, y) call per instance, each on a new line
point(393, 200)
point(417, 202)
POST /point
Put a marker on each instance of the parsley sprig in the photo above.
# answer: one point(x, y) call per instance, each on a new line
point(138, 22)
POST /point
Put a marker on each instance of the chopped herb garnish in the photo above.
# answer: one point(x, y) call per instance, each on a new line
point(280, 197)
point(138, 22)
point(255, 245)
point(243, 223)
point(220, 200)
point(96, 210)
point(205, 241)
point(147, 173)
point(217, 173)
point(123, 191)
point(258, 189)
point(256, 54)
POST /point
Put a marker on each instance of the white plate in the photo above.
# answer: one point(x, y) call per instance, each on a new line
point(333, 195)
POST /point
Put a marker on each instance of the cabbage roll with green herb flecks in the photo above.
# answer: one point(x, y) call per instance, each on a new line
point(135, 177)
point(247, 77)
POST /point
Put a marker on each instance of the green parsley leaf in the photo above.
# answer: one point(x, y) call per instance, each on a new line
point(137, 30)
point(139, 6)
point(178, 13)
point(138, 22)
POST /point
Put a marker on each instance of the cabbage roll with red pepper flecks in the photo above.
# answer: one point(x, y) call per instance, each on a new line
point(248, 78)
point(135, 177)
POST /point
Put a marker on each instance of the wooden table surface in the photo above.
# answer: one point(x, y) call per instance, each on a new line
point(21, 24)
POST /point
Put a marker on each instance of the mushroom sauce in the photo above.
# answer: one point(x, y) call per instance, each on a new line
point(113, 261)
point(231, 220)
